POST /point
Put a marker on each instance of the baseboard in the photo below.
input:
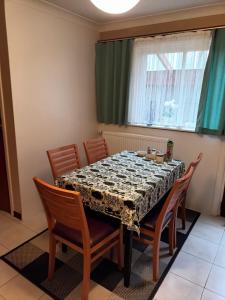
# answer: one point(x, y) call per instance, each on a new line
point(17, 215)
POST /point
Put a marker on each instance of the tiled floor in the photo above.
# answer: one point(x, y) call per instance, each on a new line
point(199, 269)
point(12, 285)
point(197, 273)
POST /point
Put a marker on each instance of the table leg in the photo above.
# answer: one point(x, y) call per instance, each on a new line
point(64, 248)
point(128, 256)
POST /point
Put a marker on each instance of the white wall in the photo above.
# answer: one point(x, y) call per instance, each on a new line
point(204, 194)
point(207, 186)
point(52, 62)
point(167, 16)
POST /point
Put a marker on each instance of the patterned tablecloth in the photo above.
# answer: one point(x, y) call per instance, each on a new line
point(123, 185)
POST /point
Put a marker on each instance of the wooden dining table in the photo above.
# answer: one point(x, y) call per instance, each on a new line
point(124, 186)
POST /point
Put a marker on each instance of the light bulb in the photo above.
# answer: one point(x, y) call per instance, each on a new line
point(115, 6)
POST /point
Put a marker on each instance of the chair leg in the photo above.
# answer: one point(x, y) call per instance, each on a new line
point(155, 259)
point(52, 250)
point(183, 214)
point(86, 276)
point(171, 236)
point(120, 250)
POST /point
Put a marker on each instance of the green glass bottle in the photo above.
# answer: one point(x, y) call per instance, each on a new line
point(169, 152)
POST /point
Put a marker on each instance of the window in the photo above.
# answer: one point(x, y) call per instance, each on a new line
point(166, 79)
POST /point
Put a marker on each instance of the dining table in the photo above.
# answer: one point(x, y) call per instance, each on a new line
point(124, 186)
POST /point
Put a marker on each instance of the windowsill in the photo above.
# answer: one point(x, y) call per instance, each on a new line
point(162, 128)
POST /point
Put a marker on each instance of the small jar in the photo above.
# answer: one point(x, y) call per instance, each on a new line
point(159, 158)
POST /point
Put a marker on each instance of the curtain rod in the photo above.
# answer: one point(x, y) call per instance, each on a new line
point(162, 34)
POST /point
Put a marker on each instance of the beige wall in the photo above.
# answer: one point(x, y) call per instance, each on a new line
point(207, 187)
point(52, 70)
point(52, 61)
point(205, 190)
point(207, 10)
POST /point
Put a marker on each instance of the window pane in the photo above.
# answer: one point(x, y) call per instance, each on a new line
point(165, 86)
point(175, 60)
point(196, 59)
point(153, 63)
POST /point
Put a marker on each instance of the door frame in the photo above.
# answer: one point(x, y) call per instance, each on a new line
point(7, 116)
point(220, 180)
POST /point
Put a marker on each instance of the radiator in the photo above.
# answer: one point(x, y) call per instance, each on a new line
point(119, 141)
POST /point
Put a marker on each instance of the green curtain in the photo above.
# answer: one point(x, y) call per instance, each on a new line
point(211, 113)
point(113, 64)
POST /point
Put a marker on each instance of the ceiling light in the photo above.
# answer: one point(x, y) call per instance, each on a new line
point(115, 6)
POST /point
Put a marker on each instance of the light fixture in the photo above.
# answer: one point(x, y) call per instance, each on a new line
point(115, 6)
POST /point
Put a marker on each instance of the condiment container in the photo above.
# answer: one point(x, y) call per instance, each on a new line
point(159, 158)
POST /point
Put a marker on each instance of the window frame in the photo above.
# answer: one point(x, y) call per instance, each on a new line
point(168, 127)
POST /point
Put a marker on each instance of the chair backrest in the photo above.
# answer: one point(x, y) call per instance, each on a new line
point(96, 149)
point(173, 198)
point(195, 163)
point(63, 206)
point(63, 159)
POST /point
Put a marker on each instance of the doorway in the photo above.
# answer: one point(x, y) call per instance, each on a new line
point(8, 160)
point(4, 187)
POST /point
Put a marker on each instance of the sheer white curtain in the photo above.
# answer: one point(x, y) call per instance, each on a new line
point(166, 79)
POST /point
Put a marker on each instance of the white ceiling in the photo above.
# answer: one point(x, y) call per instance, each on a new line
point(144, 8)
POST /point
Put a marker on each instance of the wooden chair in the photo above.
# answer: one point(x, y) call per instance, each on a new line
point(182, 203)
point(95, 149)
point(63, 159)
point(163, 214)
point(68, 224)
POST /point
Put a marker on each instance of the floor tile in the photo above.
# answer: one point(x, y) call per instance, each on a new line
point(222, 242)
point(24, 255)
point(177, 288)
point(6, 273)
point(20, 288)
point(179, 225)
point(14, 235)
point(3, 250)
point(188, 266)
point(7, 221)
point(42, 242)
point(37, 270)
point(213, 220)
point(207, 295)
point(208, 232)
point(96, 291)
point(216, 281)
point(139, 288)
point(45, 297)
point(143, 265)
point(220, 257)
point(107, 274)
point(64, 281)
point(200, 248)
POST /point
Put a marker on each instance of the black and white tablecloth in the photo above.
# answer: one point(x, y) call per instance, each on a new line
point(123, 185)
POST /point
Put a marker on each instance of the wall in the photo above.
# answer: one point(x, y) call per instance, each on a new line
point(206, 10)
point(7, 117)
point(206, 189)
point(204, 194)
point(52, 61)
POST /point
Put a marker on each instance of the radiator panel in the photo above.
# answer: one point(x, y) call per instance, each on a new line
point(119, 141)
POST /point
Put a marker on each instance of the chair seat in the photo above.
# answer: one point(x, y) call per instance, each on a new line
point(98, 231)
point(150, 220)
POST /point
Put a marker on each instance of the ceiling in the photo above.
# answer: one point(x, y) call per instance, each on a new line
point(144, 8)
